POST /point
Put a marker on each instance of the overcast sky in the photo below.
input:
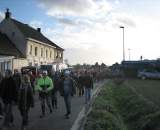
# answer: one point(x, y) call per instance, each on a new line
point(89, 30)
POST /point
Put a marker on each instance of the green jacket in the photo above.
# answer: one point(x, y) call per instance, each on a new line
point(44, 83)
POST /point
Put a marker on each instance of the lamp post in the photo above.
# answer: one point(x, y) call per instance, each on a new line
point(129, 51)
point(123, 43)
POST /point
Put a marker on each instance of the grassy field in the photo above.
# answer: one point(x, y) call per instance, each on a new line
point(121, 106)
point(150, 89)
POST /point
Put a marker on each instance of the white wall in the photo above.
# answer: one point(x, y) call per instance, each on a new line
point(19, 63)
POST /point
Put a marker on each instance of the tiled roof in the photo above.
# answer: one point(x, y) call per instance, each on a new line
point(30, 32)
point(8, 48)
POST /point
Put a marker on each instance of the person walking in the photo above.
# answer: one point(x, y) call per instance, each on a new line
point(32, 80)
point(25, 100)
point(17, 78)
point(88, 85)
point(80, 84)
point(8, 94)
point(56, 79)
point(67, 90)
point(45, 86)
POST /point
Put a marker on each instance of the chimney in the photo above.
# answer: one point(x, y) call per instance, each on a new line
point(39, 30)
point(7, 14)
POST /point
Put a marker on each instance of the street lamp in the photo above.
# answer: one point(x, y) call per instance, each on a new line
point(123, 43)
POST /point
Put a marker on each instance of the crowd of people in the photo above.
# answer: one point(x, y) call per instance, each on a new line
point(20, 90)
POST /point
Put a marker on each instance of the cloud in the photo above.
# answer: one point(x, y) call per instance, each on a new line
point(1, 16)
point(36, 24)
point(74, 7)
point(117, 2)
point(126, 22)
point(93, 34)
point(90, 56)
point(66, 21)
point(123, 19)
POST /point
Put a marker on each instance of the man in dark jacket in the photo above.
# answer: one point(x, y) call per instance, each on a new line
point(56, 80)
point(67, 90)
point(25, 100)
point(80, 84)
point(9, 95)
point(88, 85)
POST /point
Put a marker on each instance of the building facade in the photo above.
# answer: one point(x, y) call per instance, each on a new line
point(33, 47)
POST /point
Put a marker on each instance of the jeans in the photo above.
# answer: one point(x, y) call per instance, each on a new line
point(87, 95)
point(67, 100)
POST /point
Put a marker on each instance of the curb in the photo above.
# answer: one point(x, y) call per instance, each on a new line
point(82, 116)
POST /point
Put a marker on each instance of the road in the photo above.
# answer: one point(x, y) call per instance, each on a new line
point(53, 121)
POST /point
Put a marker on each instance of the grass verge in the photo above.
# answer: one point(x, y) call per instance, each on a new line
point(119, 107)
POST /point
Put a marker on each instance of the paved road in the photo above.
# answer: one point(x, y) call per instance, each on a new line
point(54, 121)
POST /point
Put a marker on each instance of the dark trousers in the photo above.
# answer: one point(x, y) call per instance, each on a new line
point(87, 95)
point(54, 99)
point(33, 87)
point(45, 97)
point(67, 100)
point(8, 117)
point(81, 91)
point(1, 110)
point(24, 115)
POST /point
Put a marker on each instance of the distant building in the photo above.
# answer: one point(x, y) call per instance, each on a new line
point(22, 45)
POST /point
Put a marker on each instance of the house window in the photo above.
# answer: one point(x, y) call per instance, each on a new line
point(57, 55)
point(30, 51)
point(41, 52)
point(60, 55)
point(46, 53)
point(36, 51)
point(50, 54)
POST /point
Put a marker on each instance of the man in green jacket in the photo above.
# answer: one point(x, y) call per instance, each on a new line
point(44, 86)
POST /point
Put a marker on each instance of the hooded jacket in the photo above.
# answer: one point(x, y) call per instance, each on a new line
point(45, 84)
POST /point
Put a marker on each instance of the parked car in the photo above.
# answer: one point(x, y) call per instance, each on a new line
point(146, 74)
